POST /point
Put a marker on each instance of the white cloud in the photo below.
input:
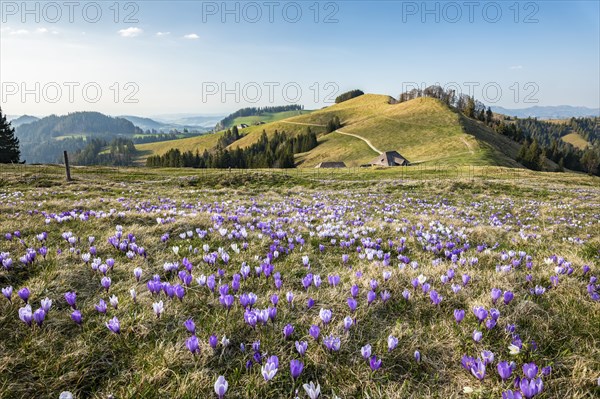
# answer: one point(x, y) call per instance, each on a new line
point(42, 30)
point(515, 67)
point(191, 36)
point(18, 32)
point(130, 32)
point(160, 34)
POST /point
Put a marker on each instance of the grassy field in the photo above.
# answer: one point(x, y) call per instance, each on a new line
point(576, 140)
point(198, 143)
point(396, 232)
point(267, 117)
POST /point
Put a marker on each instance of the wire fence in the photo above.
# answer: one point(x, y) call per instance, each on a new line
point(415, 172)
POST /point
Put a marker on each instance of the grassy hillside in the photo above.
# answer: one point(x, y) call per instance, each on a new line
point(200, 143)
point(422, 130)
point(576, 140)
point(267, 117)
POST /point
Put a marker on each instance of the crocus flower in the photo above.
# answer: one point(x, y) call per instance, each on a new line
point(504, 370)
point(530, 370)
point(101, 306)
point(221, 386)
point(158, 308)
point(352, 304)
point(213, 341)
point(24, 294)
point(137, 272)
point(114, 325)
point(301, 347)
point(193, 345)
point(332, 343)
point(417, 356)
point(288, 330)
point(71, 297)
point(26, 314)
point(105, 282)
point(531, 387)
point(511, 395)
point(374, 363)
point(311, 390)
point(459, 315)
point(76, 317)
point(480, 313)
point(488, 357)
point(269, 369)
point(38, 316)
point(477, 336)
point(46, 304)
point(314, 331)
point(392, 343)
point(348, 322)
point(496, 294)
point(296, 367)
point(325, 315)
point(114, 301)
point(478, 369)
point(508, 296)
point(190, 325)
point(7, 292)
point(365, 351)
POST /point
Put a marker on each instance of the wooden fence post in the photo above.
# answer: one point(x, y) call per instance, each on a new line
point(67, 168)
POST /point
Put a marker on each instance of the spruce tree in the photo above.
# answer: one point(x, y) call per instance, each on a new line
point(9, 143)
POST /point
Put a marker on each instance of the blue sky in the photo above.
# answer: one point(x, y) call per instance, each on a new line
point(193, 57)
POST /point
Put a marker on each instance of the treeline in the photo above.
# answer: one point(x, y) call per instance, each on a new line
point(229, 137)
point(333, 125)
point(268, 152)
point(153, 138)
point(348, 95)
point(119, 152)
point(250, 111)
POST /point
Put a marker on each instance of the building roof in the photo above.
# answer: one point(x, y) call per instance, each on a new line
point(331, 165)
point(390, 158)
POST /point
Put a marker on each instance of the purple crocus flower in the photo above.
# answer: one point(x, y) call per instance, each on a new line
point(531, 387)
point(354, 291)
point(24, 294)
point(477, 336)
point(137, 272)
point(105, 282)
point(480, 313)
point(288, 330)
point(508, 296)
point(296, 367)
point(417, 356)
point(310, 303)
point(71, 297)
point(26, 315)
point(190, 325)
point(76, 317)
point(496, 294)
point(365, 351)
point(459, 315)
point(325, 315)
point(371, 296)
point(7, 292)
point(374, 363)
point(301, 347)
point(221, 386)
point(213, 341)
point(101, 306)
point(478, 369)
point(332, 343)
point(38, 316)
point(46, 304)
point(114, 325)
point(314, 331)
point(392, 343)
point(352, 304)
point(193, 345)
point(530, 370)
point(504, 370)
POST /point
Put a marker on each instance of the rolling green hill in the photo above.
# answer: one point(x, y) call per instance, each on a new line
point(267, 117)
point(422, 130)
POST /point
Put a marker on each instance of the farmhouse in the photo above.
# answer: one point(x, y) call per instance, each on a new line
point(323, 165)
point(390, 158)
point(242, 126)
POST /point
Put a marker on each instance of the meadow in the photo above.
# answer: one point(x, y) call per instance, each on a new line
point(433, 282)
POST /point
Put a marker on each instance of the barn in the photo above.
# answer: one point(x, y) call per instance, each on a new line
point(390, 158)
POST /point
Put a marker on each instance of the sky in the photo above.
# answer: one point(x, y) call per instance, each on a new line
point(150, 58)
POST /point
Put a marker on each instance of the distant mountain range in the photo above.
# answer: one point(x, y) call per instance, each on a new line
point(21, 120)
point(549, 112)
point(165, 126)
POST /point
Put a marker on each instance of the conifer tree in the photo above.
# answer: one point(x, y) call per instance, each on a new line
point(9, 143)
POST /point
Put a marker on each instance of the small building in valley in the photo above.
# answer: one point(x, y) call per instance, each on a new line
point(390, 158)
point(324, 165)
